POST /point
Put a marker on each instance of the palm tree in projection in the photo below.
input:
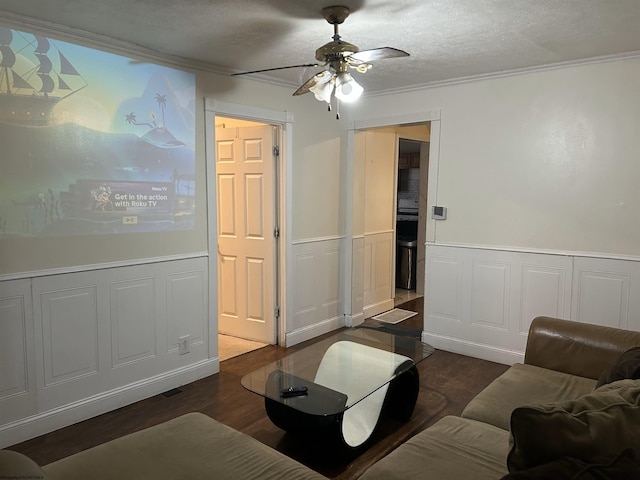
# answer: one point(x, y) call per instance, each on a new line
point(131, 119)
point(158, 135)
point(162, 103)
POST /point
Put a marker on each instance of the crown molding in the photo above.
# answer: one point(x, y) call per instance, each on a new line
point(506, 73)
point(105, 43)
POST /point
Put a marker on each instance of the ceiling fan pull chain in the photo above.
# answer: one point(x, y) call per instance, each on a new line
point(337, 109)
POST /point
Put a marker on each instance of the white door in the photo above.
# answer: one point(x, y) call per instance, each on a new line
point(246, 243)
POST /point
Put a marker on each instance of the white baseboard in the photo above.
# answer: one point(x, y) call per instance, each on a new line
point(470, 349)
point(45, 422)
point(354, 320)
point(307, 333)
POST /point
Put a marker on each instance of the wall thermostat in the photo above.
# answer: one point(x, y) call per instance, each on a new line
point(439, 213)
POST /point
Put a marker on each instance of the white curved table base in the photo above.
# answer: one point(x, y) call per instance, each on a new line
point(341, 430)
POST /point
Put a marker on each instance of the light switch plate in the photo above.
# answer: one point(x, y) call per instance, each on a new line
point(439, 213)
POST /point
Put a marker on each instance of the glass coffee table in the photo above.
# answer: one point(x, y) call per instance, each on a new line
point(340, 386)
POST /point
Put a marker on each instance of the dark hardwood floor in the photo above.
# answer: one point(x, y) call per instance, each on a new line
point(447, 383)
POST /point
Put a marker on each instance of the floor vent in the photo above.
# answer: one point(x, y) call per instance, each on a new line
point(172, 392)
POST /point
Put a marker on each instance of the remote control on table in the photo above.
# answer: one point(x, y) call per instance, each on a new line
point(293, 391)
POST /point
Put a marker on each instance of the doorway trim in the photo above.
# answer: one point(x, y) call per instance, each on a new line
point(284, 120)
point(433, 116)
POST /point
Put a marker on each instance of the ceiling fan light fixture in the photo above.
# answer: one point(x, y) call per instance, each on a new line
point(347, 89)
point(323, 91)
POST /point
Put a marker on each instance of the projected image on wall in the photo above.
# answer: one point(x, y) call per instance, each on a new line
point(91, 142)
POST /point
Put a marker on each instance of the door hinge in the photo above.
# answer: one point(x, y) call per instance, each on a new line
point(276, 232)
point(276, 150)
point(276, 312)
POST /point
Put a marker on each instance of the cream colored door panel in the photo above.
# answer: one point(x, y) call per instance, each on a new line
point(246, 245)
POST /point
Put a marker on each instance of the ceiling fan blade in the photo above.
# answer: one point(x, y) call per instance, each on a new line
point(276, 68)
point(378, 54)
point(322, 77)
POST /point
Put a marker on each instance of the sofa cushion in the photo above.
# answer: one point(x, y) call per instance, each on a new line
point(598, 425)
point(191, 446)
point(522, 385)
point(452, 448)
point(623, 467)
point(627, 366)
point(15, 465)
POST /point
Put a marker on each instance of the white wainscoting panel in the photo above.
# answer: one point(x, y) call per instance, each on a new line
point(17, 365)
point(357, 281)
point(186, 308)
point(69, 316)
point(546, 290)
point(133, 321)
point(480, 302)
point(379, 268)
point(318, 296)
point(607, 292)
point(490, 294)
point(445, 287)
point(80, 344)
point(13, 347)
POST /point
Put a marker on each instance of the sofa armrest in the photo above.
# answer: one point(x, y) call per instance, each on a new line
point(576, 348)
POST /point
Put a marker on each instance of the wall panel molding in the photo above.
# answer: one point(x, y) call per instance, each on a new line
point(69, 319)
point(13, 347)
point(133, 321)
point(490, 292)
point(88, 342)
point(481, 301)
point(17, 362)
point(356, 315)
point(318, 296)
point(606, 292)
point(379, 271)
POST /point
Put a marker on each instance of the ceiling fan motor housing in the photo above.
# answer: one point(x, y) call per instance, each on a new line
point(336, 50)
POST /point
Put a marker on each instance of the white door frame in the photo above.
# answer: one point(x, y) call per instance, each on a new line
point(284, 120)
point(433, 116)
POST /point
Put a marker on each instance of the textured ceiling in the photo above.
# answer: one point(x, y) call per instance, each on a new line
point(447, 39)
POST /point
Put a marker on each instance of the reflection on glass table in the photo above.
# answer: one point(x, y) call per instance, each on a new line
point(339, 386)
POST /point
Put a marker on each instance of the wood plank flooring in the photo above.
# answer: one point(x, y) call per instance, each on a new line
point(448, 382)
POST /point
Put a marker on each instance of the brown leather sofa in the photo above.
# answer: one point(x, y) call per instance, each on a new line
point(538, 413)
point(545, 413)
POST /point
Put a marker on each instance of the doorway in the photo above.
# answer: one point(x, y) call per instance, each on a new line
point(411, 194)
point(374, 229)
point(246, 180)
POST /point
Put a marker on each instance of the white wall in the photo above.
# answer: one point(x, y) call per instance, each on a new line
point(314, 211)
point(373, 261)
point(543, 160)
point(76, 345)
point(318, 191)
point(541, 164)
point(65, 361)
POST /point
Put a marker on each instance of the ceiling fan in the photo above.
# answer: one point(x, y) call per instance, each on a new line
point(339, 56)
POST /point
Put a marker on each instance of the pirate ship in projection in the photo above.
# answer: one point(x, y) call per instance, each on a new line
point(34, 76)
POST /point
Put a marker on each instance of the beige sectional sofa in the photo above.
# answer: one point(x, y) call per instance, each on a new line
point(543, 414)
point(549, 403)
point(189, 447)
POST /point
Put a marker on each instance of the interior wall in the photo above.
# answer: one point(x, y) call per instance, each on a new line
point(318, 193)
point(380, 174)
point(541, 160)
point(132, 367)
point(315, 209)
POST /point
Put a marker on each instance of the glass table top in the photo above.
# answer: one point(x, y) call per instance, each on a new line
point(337, 372)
